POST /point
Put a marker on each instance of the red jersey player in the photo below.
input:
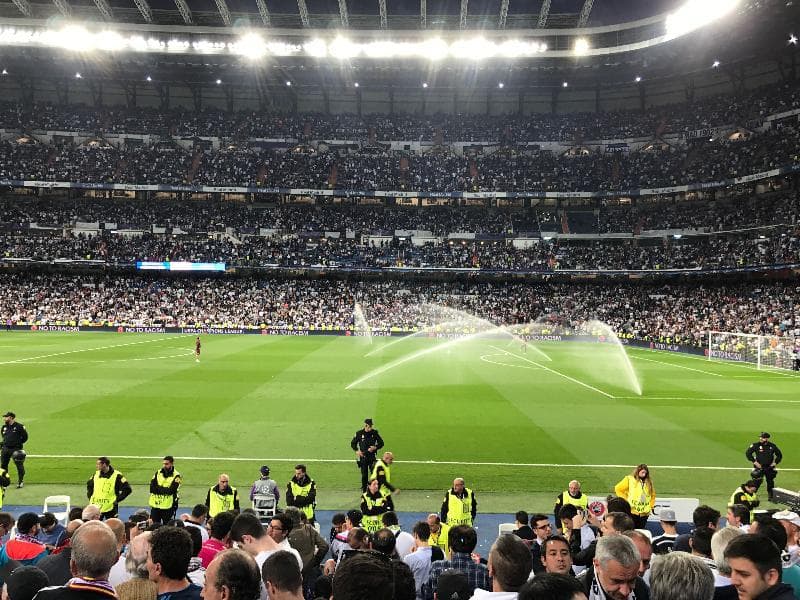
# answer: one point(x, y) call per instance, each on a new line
point(197, 349)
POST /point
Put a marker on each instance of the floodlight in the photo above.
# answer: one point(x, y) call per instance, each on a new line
point(696, 14)
point(355, 84)
point(381, 49)
point(78, 76)
point(425, 84)
point(715, 64)
point(219, 81)
point(316, 47)
point(110, 41)
point(343, 48)
point(289, 84)
point(476, 48)
point(581, 46)
point(793, 39)
point(5, 72)
point(148, 78)
point(433, 49)
point(250, 46)
point(565, 84)
point(501, 85)
point(638, 79)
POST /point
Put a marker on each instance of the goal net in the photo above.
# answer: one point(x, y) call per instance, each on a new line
point(763, 351)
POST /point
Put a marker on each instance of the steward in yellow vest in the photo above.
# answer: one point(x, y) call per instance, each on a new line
point(637, 488)
point(746, 495)
point(572, 495)
point(459, 506)
point(439, 533)
point(222, 497)
point(374, 502)
point(164, 492)
point(107, 488)
point(302, 492)
point(382, 472)
point(5, 481)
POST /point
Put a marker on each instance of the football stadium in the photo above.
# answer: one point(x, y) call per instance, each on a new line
point(534, 255)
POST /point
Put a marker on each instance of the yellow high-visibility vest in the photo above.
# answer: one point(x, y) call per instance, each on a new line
point(164, 501)
point(303, 490)
point(459, 511)
point(103, 492)
point(219, 503)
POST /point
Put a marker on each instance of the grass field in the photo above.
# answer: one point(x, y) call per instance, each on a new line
point(516, 422)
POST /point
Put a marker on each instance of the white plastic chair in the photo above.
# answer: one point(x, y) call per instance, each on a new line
point(62, 516)
point(506, 528)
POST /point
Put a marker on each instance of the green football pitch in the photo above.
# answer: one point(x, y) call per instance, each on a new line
point(517, 422)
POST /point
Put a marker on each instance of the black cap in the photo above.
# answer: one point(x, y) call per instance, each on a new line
point(25, 582)
point(764, 434)
point(10, 414)
point(368, 422)
point(265, 471)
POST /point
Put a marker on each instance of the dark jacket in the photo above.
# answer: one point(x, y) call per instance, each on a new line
point(57, 567)
point(122, 489)
point(640, 588)
point(363, 440)
point(300, 501)
point(14, 435)
point(764, 454)
point(75, 591)
point(782, 591)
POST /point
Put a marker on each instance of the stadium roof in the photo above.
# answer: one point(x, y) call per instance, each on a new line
point(360, 14)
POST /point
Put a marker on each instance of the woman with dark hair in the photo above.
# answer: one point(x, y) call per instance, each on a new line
point(637, 488)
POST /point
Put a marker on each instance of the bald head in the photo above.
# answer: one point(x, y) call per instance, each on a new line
point(72, 526)
point(94, 550)
point(118, 527)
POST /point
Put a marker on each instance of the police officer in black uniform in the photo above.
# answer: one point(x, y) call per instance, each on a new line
point(366, 443)
point(765, 456)
point(14, 436)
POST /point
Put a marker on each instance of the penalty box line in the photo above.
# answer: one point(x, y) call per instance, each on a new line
point(546, 368)
point(406, 462)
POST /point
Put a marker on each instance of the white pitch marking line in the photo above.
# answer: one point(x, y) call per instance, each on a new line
point(485, 358)
point(728, 363)
point(29, 358)
point(541, 366)
point(407, 462)
point(101, 362)
point(753, 400)
point(669, 364)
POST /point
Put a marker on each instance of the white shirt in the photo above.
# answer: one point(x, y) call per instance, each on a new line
point(203, 530)
point(119, 574)
point(484, 595)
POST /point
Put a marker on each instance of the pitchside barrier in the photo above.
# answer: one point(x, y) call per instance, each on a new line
point(660, 344)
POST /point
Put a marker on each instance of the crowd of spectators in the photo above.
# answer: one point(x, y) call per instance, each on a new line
point(681, 313)
point(723, 109)
point(702, 253)
point(367, 169)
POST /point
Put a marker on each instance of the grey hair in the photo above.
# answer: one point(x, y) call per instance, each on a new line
point(680, 576)
point(94, 550)
point(136, 559)
point(719, 542)
point(91, 512)
point(618, 548)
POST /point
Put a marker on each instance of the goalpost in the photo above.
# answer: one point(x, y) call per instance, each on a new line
point(763, 351)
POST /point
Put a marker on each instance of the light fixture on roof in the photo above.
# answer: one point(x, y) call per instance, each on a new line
point(355, 84)
point(425, 84)
point(501, 85)
point(695, 14)
point(5, 72)
point(250, 46)
point(638, 79)
point(219, 81)
point(715, 64)
point(78, 76)
point(581, 47)
point(565, 84)
point(288, 83)
point(793, 39)
point(148, 78)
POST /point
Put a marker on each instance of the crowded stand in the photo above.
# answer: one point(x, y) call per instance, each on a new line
point(723, 109)
point(682, 313)
point(520, 170)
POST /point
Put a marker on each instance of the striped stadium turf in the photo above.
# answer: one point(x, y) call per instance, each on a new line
point(517, 422)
